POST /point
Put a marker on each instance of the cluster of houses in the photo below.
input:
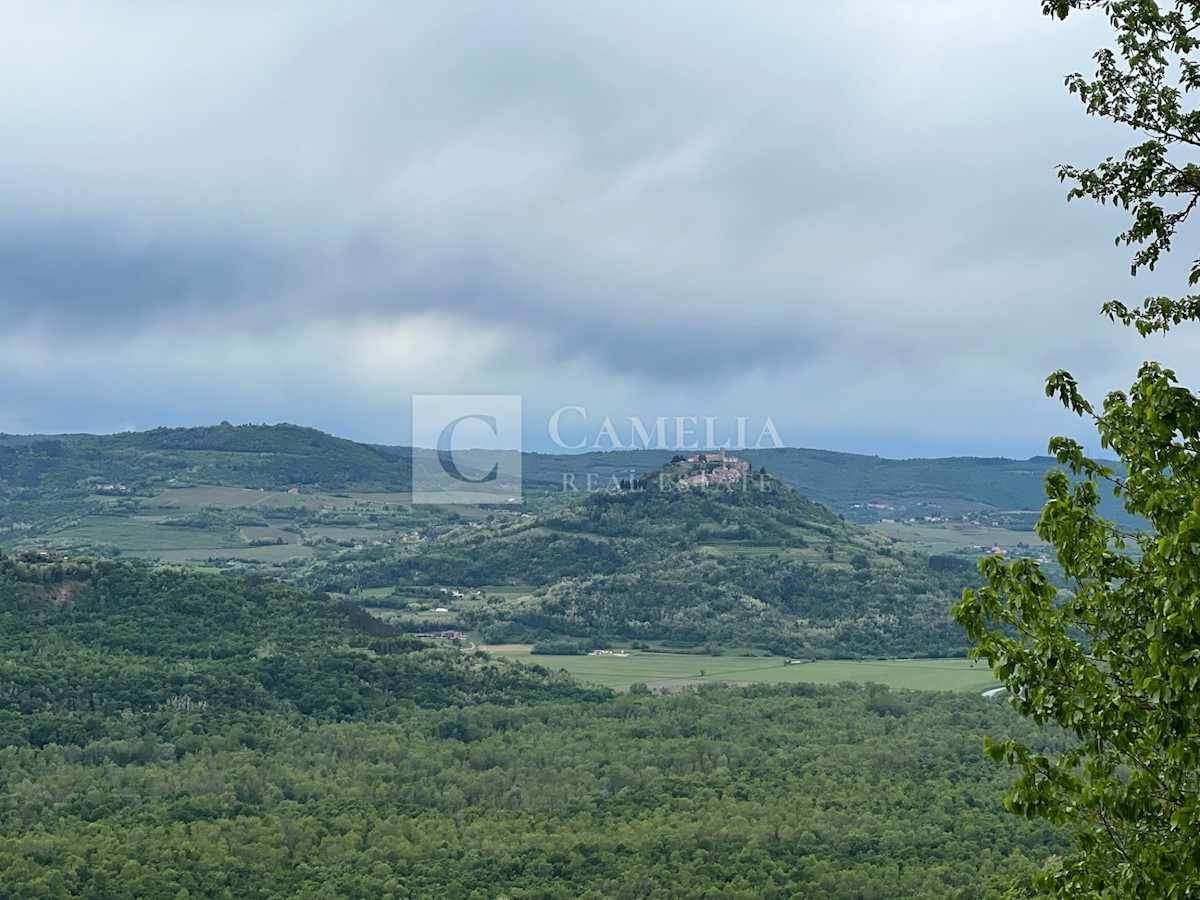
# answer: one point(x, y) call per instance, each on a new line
point(112, 489)
point(40, 556)
point(714, 468)
point(448, 635)
point(460, 595)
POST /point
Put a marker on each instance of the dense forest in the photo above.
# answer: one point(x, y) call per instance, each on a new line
point(172, 734)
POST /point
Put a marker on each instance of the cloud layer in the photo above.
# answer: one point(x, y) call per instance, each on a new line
point(844, 217)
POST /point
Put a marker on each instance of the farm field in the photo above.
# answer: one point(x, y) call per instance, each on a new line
point(350, 532)
point(955, 536)
point(508, 591)
point(233, 498)
point(261, 533)
point(667, 671)
point(147, 537)
point(202, 523)
point(269, 555)
point(144, 536)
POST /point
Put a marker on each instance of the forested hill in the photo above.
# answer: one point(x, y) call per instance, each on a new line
point(862, 488)
point(40, 468)
point(255, 456)
point(754, 564)
point(85, 640)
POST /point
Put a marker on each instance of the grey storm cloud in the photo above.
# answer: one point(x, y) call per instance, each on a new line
point(654, 191)
point(83, 278)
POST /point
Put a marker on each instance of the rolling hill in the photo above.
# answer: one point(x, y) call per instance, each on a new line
point(753, 564)
point(113, 493)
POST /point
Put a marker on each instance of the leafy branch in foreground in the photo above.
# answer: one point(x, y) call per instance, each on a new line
point(1115, 658)
point(1145, 82)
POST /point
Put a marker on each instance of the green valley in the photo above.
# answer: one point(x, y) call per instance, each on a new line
point(674, 671)
point(168, 734)
point(288, 695)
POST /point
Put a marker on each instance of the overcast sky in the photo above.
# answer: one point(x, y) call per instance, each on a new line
point(841, 216)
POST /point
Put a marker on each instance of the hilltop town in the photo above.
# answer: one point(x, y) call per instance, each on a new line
point(713, 469)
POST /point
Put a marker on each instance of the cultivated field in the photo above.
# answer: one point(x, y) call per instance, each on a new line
point(666, 671)
point(951, 536)
point(143, 536)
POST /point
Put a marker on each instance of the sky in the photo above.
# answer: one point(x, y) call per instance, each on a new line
point(841, 219)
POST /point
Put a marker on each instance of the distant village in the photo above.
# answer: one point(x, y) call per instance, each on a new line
point(1013, 521)
point(714, 469)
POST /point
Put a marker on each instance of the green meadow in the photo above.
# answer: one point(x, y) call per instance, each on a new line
point(665, 670)
point(145, 536)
